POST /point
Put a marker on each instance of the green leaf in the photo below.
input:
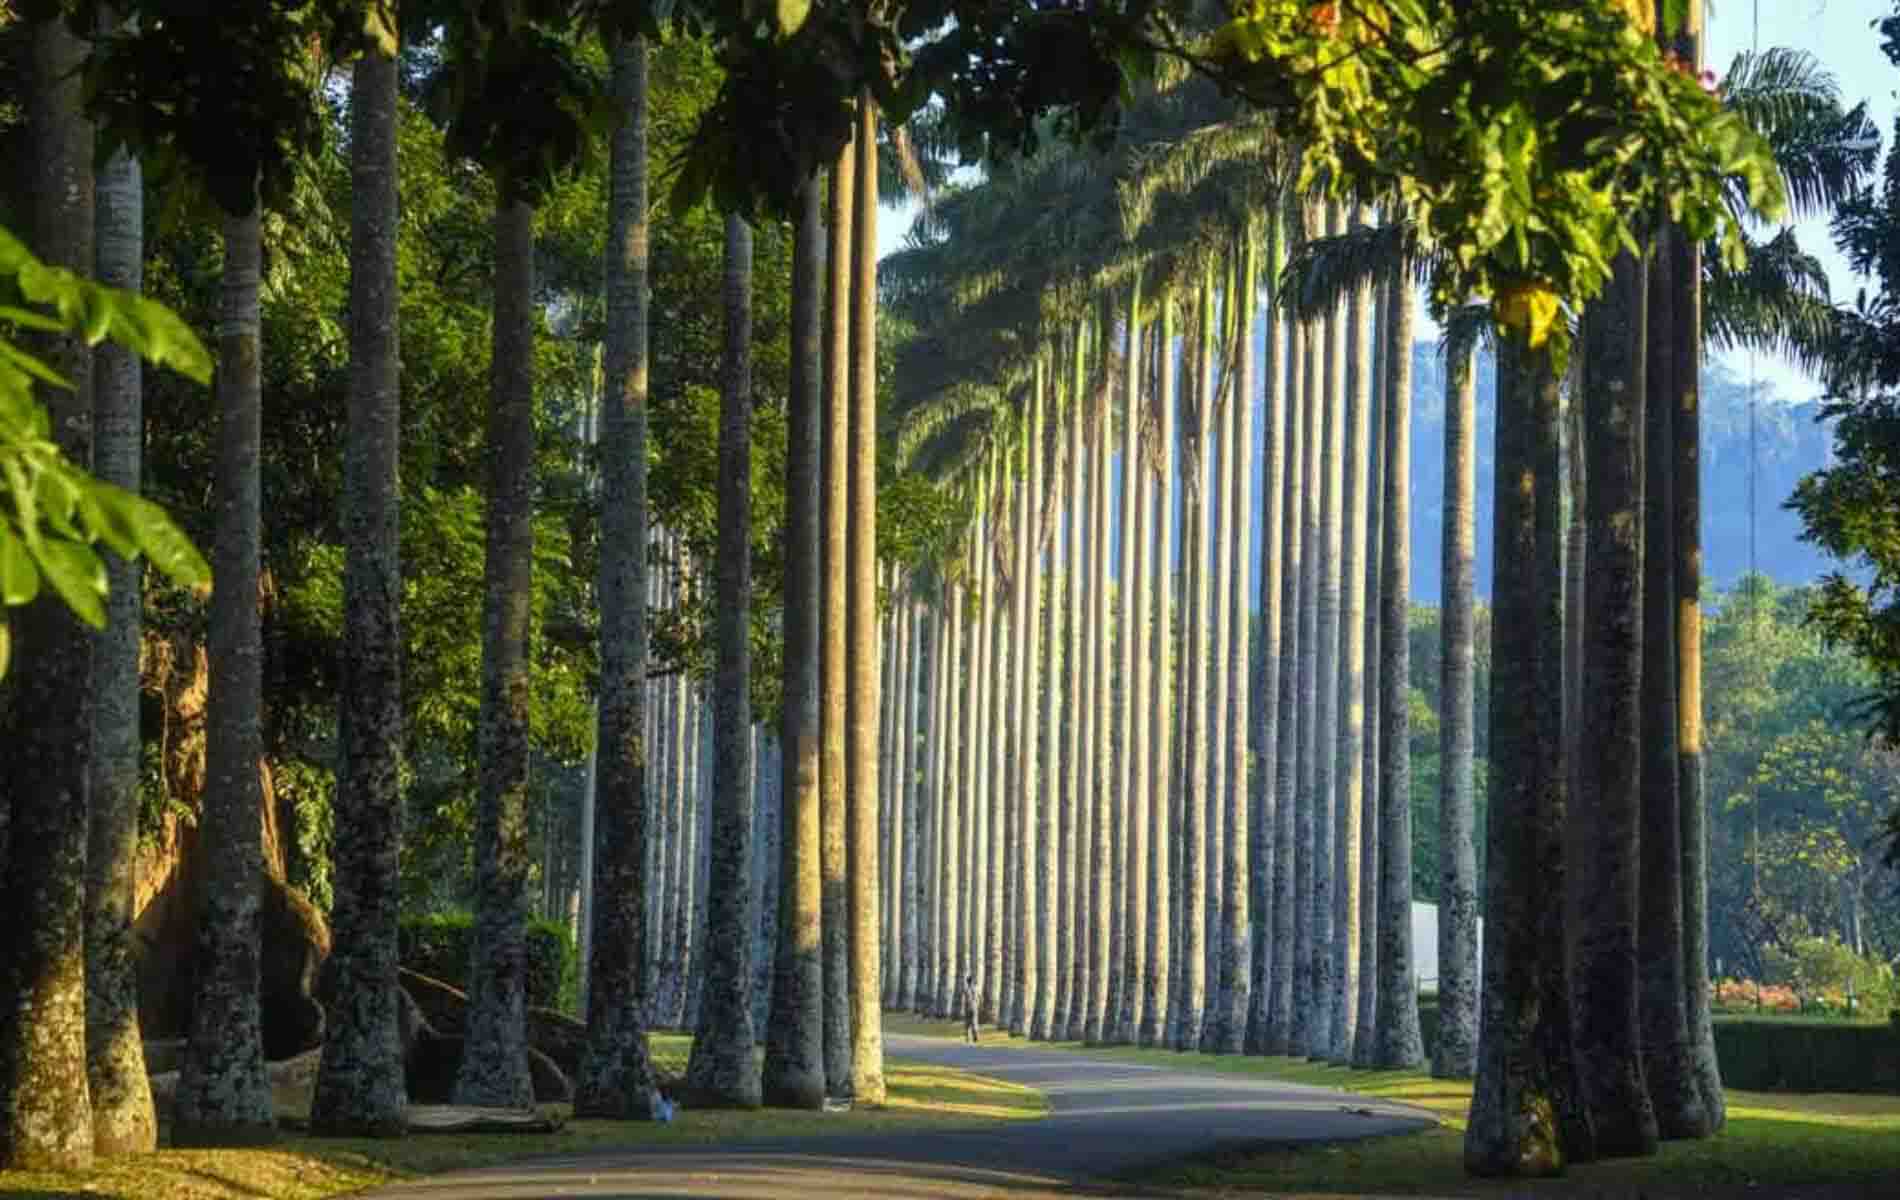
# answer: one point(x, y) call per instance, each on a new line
point(164, 544)
point(790, 16)
point(19, 579)
point(77, 575)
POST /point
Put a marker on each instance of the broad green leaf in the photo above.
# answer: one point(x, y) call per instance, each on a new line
point(19, 579)
point(77, 575)
point(165, 545)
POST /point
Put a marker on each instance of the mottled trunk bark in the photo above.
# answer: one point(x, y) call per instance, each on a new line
point(1099, 847)
point(793, 1075)
point(1264, 709)
point(123, 1121)
point(1303, 1021)
point(1139, 538)
point(1072, 948)
point(1602, 860)
point(1155, 981)
point(833, 463)
point(1454, 1055)
point(46, 1121)
point(1236, 979)
point(1039, 761)
point(1221, 403)
point(1326, 848)
point(1196, 685)
point(867, 1028)
point(1668, 1069)
point(1366, 1032)
point(722, 1071)
point(1122, 968)
point(1281, 1015)
point(360, 1076)
point(1399, 1045)
point(1352, 679)
point(996, 783)
point(494, 1067)
point(909, 878)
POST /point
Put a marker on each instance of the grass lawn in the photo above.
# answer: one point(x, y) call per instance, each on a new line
point(1773, 1141)
point(304, 1168)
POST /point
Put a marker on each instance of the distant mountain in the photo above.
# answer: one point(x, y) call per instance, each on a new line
point(1790, 442)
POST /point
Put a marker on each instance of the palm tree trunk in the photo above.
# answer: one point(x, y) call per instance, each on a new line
point(890, 652)
point(793, 1075)
point(1071, 953)
point(1281, 1012)
point(1025, 681)
point(1137, 536)
point(123, 1121)
point(1161, 831)
point(1265, 705)
point(910, 881)
point(1602, 861)
point(1300, 1033)
point(1098, 847)
point(1668, 1069)
point(223, 1094)
point(46, 1122)
point(722, 1071)
point(981, 746)
point(1326, 847)
point(1225, 399)
point(1347, 912)
point(996, 744)
point(1195, 777)
point(359, 1086)
point(1454, 1055)
point(1122, 974)
point(833, 462)
point(867, 1029)
point(1045, 769)
point(1686, 300)
point(1524, 1086)
point(1236, 980)
point(1399, 1045)
point(494, 1068)
point(1366, 1026)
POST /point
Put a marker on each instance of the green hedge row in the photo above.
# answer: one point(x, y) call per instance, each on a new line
point(1798, 1056)
point(437, 945)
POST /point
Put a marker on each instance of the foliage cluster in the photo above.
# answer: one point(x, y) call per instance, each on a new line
point(1800, 1056)
point(438, 945)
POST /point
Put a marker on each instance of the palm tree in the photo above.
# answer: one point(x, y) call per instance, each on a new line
point(910, 879)
point(995, 743)
point(123, 1121)
point(1352, 667)
point(867, 1037)
point(1454, 1054)
point(1097, 847)
point(1072, 958)
point(1326, 850)
point(494, 1068)
point(1029, 674)
point(1236, 978)
point(1602, 861)
point(1156, 981)
point(1399, 1045)
point(1305, 998)
point(1042, 1005)
point(722, 1071)
point(831, 691)
point(1140, 540)
point(360, 1074)
point(1220, 574)
point(1121, 971)
point(1265, 854)
point(1290, 852)
point(49, 1124)
point(1366, 1022)
point(1525, 1102)
point(793, 1075)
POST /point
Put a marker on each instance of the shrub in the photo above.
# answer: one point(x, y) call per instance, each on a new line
point(1794, 1056)
point(437, 945)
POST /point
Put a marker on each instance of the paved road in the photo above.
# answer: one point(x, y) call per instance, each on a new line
point(1105, 1117)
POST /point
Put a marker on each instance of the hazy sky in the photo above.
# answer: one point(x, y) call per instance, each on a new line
point(1839, 33)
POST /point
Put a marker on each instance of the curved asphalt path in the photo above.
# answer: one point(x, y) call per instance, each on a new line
point(1105, 1117)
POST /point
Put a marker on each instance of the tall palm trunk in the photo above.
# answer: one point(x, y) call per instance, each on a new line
point(1022, 682)
point(1140, 542)
point(494, 1067)
point(1454, 1055)
point(996, 744)
point(1602, 862)
point(1305, 834)
point(1122, 970)
point(1048, 761)
point(833, 463)
point(1351, 731)
point(722, 1071)
point(1525, 1090)
point(1220, 584)
point(794, 1071)
point(890, 647)
point(1264, 707)
point(1073, 949)
point(1288, 853)
point(1668, 1069)
point(920, 731)
point(1195, 775)
point(1366, 1025)
point(123, 1121)
point(46, 1122)
point(867, 1031)
point(1399, 1044)
point(1236, 979)
point(948, 865)
point(1326, 848)
point(1161, 831)
point(1098, 848)
point(360, 1076)
point(981, 745)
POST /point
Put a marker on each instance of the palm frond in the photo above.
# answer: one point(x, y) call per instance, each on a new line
point(1777, 303)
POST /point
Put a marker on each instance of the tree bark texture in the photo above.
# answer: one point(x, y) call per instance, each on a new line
point(1138, 537)
point(1161, 829)
point(360, 1086)
point(1237, 916)
point(1281, 1014)
point(833, 463)
point(1366, 1031)
point(1326, 848)
point(1264, 711)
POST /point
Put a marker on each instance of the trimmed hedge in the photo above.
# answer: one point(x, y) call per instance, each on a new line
point(1799, 1056)
point(437, 945)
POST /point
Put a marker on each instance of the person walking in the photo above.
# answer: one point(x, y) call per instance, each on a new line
point(967, 998)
